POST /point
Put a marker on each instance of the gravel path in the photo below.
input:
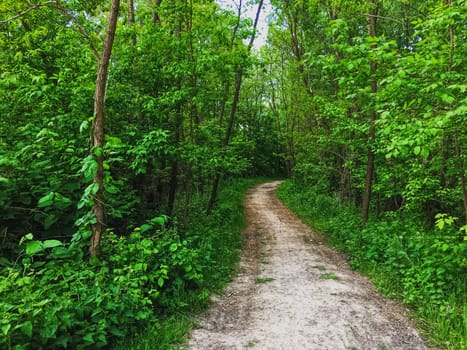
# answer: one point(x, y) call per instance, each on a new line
point(294, 293)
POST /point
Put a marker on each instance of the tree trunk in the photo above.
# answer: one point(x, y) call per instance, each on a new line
point(461, 165)
point(155, 16)
point(172, 187)
point(464, 195)
point(131, 20)
point(98, 129)
point(233, 110)
point(371, 134)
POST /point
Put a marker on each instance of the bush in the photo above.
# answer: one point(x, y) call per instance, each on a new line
point(53, 297)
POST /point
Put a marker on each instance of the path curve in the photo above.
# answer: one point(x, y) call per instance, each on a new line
point(313, 302)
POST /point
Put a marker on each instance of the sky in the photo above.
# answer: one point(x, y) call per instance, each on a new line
point(249, 11)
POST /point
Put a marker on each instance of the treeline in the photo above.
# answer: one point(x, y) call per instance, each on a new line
point(370, 98)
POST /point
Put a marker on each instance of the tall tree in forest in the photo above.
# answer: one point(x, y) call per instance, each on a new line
point(97, 150)
point(372, 21)
point(239, 72)
point(131, 19)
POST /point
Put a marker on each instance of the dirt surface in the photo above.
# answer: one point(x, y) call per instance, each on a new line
point(293, 292)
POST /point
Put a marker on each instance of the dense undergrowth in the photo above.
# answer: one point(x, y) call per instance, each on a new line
point(142, 288)
point(424, 268)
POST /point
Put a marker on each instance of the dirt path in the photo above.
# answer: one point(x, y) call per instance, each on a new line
point(294, 293)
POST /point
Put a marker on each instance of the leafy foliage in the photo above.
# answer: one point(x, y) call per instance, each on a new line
point(52, 298)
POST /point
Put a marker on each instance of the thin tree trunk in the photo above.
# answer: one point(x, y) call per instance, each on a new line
point(233, 110)
point(464, 195)
point(461, 166)
point(131, 20)
point(172, 187)
point(174, 172)
point(98, 129)
point(225, 143)
point(155, 16)
point(178, 125)
point(371, 134)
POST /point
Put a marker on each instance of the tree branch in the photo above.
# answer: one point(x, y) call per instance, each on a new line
point(382, 17)
point(56, 5)
point(81, 29)
point(29, 9)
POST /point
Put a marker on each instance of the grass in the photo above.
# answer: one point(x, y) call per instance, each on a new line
point(167, 334)
point(260, 280)
point(251, 344)
point(263, 258)
point(329, 276)
point(320, 267)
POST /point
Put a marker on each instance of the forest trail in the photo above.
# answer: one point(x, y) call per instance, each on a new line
point(294, 293)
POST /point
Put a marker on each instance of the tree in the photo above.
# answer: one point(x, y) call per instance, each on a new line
point(98, 227)
point(239, 72)
point(372, 20)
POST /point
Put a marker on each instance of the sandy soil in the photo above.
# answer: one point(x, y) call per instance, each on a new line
point(293, 292)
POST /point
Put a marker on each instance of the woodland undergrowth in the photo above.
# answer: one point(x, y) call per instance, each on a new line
point(142, 289)
point(424, 268)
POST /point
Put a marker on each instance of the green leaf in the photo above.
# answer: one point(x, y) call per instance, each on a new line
point(161, 220)
point(160, 282)
point(425, 153)
point(26, 328)
point(145, 227)
point(89, 167)
point(89, 338)
point(5, 328)
point(102, 339)
point(84, 126)
point(98, 151)
point(61, 252)
point(47, 200)
point(63, 341)
point(61, 202)
point(28, 237)
point(417, 150)
point(34, 247)
point(447, 98)
point(93, 188)
point(51, 243)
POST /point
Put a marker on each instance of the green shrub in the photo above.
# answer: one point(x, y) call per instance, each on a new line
point(53, 297)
